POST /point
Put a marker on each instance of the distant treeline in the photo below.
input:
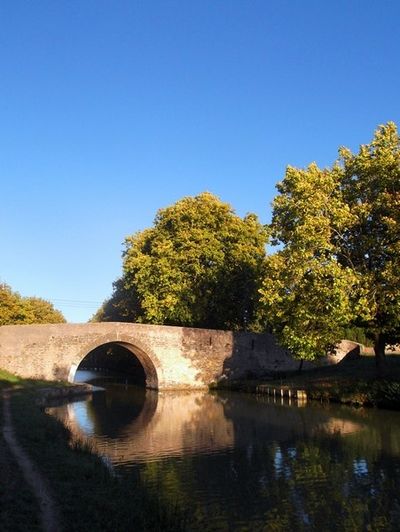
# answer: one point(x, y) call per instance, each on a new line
point(18, 310)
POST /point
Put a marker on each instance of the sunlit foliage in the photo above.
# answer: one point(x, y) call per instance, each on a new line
point(338, 259)
point(17, 310)
point(199, 265)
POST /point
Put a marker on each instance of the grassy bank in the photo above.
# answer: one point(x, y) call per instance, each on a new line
point(19, 509)
point(353, 382)
point(87, 495)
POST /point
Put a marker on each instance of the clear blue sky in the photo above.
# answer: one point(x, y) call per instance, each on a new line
point(110, 110)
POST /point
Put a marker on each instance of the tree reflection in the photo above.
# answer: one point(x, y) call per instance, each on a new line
point(313, 484)
point(234, 462)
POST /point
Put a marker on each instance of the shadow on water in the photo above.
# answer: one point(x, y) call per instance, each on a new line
point(121, 409)
point(239, 462)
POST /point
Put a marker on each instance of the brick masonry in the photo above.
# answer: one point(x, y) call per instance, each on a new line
point(172, 357)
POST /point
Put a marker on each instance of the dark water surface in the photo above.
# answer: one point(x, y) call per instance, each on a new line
point(241, 462)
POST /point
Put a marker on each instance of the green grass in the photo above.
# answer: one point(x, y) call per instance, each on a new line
point(87, 495)
point(19, 509)
point(9, 380)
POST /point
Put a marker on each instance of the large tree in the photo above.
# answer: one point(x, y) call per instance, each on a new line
point(371, 244)
point(338, 261)
point(306, 291)
point(17, 310)
point(199, 265)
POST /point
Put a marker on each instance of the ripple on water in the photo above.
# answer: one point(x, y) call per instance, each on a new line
point(236, 463)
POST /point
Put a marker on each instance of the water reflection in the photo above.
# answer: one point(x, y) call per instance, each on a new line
point(238, 462)
point(129, 424)
point(113, 415)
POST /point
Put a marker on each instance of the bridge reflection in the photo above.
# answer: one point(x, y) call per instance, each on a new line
point(240, 462)
point(130, 425)
point(136, 424)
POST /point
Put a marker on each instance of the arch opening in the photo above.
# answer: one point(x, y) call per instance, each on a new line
point(117, 362)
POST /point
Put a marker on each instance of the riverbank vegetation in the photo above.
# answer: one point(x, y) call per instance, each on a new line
point(19, 509)
point(352, 382)
point(87, 494)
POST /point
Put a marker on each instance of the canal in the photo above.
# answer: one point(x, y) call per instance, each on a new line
point(242, 462)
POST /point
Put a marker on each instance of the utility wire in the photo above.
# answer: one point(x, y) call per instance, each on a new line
point(75, 303)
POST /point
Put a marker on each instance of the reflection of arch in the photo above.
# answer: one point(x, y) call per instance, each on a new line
point(139, 417)
point(171, 424)
point(147, 359)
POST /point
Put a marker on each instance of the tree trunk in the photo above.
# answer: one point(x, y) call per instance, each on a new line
point(380, 357)
point(301, 365)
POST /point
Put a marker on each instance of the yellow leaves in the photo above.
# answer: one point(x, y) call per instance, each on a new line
point(307, 300)
point(15, 309)
point(309, 209)
point(339, 236)
point(198, 264)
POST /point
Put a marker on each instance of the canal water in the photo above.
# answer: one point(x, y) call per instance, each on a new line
point(242, 462)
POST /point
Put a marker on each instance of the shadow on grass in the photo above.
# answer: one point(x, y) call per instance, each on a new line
point(361, 368)
point(354, 381)
point(87, 495)
point(9, 380)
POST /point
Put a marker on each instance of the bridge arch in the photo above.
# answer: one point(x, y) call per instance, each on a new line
point(172, 357)
point(143, 354)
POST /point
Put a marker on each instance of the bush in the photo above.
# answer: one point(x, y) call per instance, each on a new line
point(357, 334)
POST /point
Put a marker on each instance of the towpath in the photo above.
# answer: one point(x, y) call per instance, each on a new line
point(48, 512)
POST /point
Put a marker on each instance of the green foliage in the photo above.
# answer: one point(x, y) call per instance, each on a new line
point(198, 265)
point(122, 306)
point(11, 310)
point(17, 310)
point(371, 244)
point(357, 334)
point(306, 291)
point(380, 393)
point(39, 310)
point(338, 262)
point(386, 394)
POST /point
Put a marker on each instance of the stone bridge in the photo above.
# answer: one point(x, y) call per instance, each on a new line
point(171, 357)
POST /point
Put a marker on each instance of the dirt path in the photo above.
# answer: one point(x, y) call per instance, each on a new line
point(49, 517)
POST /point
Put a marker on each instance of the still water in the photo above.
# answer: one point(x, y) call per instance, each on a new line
point(241, 462)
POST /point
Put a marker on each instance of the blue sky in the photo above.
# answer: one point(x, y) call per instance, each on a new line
point(111, 110)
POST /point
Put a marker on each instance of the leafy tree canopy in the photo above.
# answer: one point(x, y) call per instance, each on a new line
point(198, 266)
point(338, 259)
point(370, 246)
point(306, 291)
point(17, 310)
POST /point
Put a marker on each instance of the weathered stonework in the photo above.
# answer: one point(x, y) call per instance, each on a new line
point(172, 357)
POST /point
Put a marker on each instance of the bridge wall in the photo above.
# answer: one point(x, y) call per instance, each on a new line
point(173, 357)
